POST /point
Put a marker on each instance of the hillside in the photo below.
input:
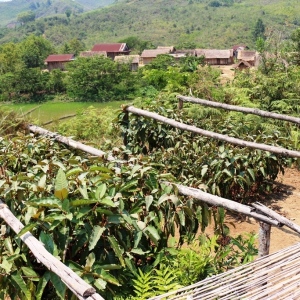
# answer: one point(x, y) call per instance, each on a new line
point(9, 10)
point(206, 23)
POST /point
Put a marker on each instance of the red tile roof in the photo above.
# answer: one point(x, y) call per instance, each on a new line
point(115, 47)
point(59, 57)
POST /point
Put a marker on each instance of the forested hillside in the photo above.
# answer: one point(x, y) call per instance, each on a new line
point(9, 10)
point(203, 23)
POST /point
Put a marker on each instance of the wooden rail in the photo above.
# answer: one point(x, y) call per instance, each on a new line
point(242, 109)
point(239, 142)
point(78, 286)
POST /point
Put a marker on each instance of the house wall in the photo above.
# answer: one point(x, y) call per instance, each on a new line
point(55, 65)
point(147, 60)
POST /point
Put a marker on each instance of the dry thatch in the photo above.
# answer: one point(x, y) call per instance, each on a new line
point(275, 276)
point(214, 53)
point(247, 55)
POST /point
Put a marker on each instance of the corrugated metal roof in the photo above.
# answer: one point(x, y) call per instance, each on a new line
point(246, 55)
point(113, 47)
point(134, 59)
point(214, 53)
point(154, 52)
point(92, 53)
point(59, 57)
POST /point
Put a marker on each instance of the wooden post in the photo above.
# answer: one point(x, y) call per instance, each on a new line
point(126, 124)
point(180, 104)
point(264, 239)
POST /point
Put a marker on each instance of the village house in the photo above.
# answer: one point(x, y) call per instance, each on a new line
point(149, 54)
point(112, 50)
point(92, 53)
point(132, 60)
point(248, 56)
point(58, 61)
point(216, 57)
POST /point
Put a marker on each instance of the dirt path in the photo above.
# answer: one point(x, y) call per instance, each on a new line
point(285, 202)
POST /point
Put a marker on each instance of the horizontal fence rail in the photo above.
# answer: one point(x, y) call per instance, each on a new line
point(77, 285)
point(211, 134)
point(248, 110)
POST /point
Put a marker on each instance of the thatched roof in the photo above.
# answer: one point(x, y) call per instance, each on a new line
point(247, 55)
point(134, 59)
point(170, 48)
point(92, 53)
point(240, 63)
point(214, 53)
point(154, 52)
point(273, 277)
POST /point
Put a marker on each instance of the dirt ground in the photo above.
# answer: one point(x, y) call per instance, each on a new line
point(285, 202)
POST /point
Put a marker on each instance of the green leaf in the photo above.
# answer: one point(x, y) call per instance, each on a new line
point(138, 251)
point(74, 171)
point(29, 272)
point(101, 273)
point(82, 202)
point(45, 202)
point(163, 198)
point(83, 192)
point(107, 201)
point(26, 228)
point(16, 277)
point(41, 286)
point(251, 172)
point(42, 182)
point(61, 185)
point(148, 200)
point(117, 249)
point(128, 185)
point(47, 241)
point(90, 260)
point(59, 286)
point(153, 233)
point(100, 284)
point(95, 236)
point(100, 192)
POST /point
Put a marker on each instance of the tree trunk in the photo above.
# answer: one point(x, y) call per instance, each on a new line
point(264, 239)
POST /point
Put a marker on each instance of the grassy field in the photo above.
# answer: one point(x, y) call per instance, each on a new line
point(54, 110)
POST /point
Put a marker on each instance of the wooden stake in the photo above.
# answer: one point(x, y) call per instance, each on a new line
point(264, 239)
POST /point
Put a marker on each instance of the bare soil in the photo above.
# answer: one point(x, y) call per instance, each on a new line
point(284, 201)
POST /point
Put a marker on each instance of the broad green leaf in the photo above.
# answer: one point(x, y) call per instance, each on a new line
point(47, 240)
point(8, 245)
point(6, 265)
point(41, 286)
point(66, 205)
point(130, 266)
point(95, 236)
point(45, 202)
point(82, 202)
point(153, 233)
point(59, 286)
point(137, 238)
point(129, 185)
point(26, 228)
point(73, 171)
point(138, 251)
point(117, 249)
point(30, 273)
point(251, 172)
point(42, 182)
point(90, 261)
point(83, 192)
point(101, 273)
point(148, 200)
point(100, 284)
point(107, 201)
point(100, 192)
point(61, 185)
point(163, 198)
point(16, 277)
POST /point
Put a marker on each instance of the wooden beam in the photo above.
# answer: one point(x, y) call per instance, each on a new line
point(70, 142)
point(247, 110)
point(264, 239)
point(77, 285)
point(210, 134)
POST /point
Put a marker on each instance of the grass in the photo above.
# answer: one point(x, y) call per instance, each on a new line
point(54, 110)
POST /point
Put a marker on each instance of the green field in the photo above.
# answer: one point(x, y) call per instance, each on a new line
point(54, 110)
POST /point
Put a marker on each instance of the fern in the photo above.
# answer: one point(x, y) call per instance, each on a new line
point(143, 285)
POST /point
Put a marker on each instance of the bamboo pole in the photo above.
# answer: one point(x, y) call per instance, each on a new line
point(59, 119)
point(269, 212)
point(228, 204)
point(79, 287)
point(70, 142)
point(264, 239)
point(247, 110)
point(210, 134)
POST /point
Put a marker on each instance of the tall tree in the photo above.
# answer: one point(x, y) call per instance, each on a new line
point(295, 37)
point(259, 30)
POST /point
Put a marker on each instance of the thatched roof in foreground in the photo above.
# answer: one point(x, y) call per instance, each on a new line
point(275, 276)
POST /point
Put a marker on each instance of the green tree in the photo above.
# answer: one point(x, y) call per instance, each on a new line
point(259, 30)
point(10, 58)
point(25, 17)
point(295, 37)
point(74, 46)
point(161, 62)
point(34, 51)
point(96, 78)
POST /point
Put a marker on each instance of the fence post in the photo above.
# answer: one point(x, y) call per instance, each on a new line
point(264, 239)
point(180, 104)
